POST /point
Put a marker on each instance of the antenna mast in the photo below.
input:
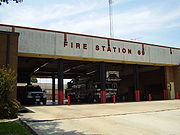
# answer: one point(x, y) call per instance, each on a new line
point(111, 19)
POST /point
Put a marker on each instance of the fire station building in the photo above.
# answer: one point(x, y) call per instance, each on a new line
point(99, 67)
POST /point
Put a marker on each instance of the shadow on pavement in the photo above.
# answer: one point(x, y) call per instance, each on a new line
point(51, 128)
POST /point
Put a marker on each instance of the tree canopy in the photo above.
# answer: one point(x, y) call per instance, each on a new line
point(7, 1)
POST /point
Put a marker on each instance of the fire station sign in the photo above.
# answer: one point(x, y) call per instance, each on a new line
point(56, 44)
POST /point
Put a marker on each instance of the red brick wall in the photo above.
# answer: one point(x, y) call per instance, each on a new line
point(176, 71)
point(9, 51)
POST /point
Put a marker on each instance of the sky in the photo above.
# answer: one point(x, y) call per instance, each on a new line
point(150, 21)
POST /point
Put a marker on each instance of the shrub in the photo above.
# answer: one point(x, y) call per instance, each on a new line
point(8, 107)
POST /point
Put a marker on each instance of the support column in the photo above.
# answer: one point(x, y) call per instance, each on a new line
point(53, 89)
point(136, 82)
point(103, 82)
point(9, 53)
point(60, 82)
point(176, 72)
point(169, 83)
point(28, 79)
point(162, 77)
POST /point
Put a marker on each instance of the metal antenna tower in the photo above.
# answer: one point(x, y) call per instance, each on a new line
point(111, 19)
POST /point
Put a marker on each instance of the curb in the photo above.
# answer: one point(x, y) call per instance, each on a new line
point(8, 120)
point(27, 126)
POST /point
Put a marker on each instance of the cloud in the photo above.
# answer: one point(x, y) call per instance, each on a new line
point(126, 23)
point(144, 20)
point(29, 15)
point(36, 15)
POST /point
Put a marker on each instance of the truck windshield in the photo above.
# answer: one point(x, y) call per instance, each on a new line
point(34, 89)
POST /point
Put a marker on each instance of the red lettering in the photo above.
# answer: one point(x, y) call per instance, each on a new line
point(119, 50)
point(143, 52)
point(78, 45)
point(71, 44)
point(103, 47)
point(97, 47)
point(129, 51)
point(124, 50)
point(65, 43)
point(109, 49)
point(114, 49)
point(85, 46)
point(139, 52)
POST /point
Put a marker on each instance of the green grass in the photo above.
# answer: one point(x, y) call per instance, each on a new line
point(13, 128)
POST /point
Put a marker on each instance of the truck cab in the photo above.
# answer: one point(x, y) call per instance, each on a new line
point(31, 94)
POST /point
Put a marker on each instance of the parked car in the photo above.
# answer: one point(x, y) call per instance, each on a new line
point(31, 94)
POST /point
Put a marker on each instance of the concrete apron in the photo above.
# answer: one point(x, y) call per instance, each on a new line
point(62, 112)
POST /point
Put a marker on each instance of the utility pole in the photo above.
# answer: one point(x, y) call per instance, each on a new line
point(111, 19)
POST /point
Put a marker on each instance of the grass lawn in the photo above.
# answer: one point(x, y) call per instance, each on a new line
point(13, 128)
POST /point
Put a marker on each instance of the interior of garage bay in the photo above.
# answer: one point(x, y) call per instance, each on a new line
point(87, 79)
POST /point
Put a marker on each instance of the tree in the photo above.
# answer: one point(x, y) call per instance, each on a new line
point(8, 106)
point(7, 1)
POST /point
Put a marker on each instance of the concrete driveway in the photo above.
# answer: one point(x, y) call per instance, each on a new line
point(137, 118)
